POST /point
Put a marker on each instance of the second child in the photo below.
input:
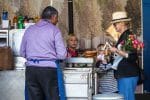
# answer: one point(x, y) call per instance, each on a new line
point(107, 82)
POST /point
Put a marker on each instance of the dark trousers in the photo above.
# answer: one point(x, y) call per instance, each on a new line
point(42, 83)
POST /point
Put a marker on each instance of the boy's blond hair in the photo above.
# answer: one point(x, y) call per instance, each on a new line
point(100, 47)
point(71, 35)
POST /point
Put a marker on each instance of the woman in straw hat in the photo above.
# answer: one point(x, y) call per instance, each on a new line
point(127, 70)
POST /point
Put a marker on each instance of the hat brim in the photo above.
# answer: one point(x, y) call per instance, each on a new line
point(121, 20)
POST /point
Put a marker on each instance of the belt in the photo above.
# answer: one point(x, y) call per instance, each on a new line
point(38, 60)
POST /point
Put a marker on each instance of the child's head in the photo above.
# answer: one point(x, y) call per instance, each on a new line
point(100, 49)
point(103, 53)
point(72, 41)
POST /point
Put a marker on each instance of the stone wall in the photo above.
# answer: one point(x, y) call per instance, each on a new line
point(91, 17)
point(33, 8)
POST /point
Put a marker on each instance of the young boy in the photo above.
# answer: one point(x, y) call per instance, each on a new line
point(72, 43)
point(107, 82)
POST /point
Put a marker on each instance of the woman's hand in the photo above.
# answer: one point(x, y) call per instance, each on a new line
point(113, 49)
point(120, 52)
point(104, 61)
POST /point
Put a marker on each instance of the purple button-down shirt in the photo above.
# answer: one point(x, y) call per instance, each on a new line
point(43, 41)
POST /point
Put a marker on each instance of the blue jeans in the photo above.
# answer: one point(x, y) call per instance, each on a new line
point(127, 87)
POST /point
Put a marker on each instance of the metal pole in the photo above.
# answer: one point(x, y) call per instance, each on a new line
point(70, 16)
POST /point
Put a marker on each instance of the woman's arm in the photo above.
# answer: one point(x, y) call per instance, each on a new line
point(120, 52)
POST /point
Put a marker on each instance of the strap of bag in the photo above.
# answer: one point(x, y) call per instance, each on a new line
point(61, 86)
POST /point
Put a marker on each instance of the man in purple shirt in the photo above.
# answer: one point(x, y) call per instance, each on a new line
point(42, 45)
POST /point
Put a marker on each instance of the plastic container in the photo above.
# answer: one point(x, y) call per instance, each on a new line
point(4, 15)
point(20, 23)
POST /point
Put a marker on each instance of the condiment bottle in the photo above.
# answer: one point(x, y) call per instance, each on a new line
point(15, 22)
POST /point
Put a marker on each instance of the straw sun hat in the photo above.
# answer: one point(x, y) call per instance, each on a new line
point(119, 16)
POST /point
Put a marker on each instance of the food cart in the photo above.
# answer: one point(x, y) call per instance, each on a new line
point(78, 78)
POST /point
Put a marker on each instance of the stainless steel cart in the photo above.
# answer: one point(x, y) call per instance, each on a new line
point(79, 80)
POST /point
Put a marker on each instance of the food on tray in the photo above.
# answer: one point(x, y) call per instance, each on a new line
point(90, 53)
